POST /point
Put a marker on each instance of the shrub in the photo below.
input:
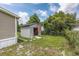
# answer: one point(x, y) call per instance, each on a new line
point(73, 40)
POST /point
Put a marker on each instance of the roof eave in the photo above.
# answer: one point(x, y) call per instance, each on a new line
point(8, 12)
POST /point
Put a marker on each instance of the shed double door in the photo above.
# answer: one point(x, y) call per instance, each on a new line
point(35, 31)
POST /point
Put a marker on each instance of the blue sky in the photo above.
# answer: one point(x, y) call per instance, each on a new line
point(43, 10)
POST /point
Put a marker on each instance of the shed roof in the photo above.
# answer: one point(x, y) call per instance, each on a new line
point(28, 25)
point(8, 12)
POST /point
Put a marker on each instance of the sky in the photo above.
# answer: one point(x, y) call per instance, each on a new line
point(43, 10)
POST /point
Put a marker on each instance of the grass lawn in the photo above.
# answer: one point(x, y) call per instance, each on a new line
point(50, 45)
point(46, 45)
point(50, 41)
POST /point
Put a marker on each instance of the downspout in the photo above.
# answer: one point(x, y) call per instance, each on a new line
point(15, 27)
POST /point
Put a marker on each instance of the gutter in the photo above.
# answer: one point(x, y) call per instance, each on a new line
point(8, 12)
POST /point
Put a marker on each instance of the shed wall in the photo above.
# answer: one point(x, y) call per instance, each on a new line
point(27, 32)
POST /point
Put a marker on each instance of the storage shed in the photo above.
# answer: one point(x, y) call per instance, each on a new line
point(30, 31)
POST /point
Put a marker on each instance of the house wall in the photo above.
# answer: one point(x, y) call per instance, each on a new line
point(76, 28)
point(7, 26)
point(39, 29)
point(42, 28)
point(8, 30)
point(8, 42)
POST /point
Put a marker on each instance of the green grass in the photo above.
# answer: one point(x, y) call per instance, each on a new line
point(50, 41)
point(47, 45)
point(54, 44)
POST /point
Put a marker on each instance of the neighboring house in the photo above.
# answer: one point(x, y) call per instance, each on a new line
point(76, 27)
point(42, 28)
point(30, 31)
point(8, 28)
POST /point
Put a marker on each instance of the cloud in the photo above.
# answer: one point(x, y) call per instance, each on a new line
point(53, 7)
point(42, 13)
point(68, 7)
point(6, 3)
point(63, 6)
point(24, 17)
point(36, 3)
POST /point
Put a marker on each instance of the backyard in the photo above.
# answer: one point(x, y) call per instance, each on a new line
point(43, 34)
point(41, 46)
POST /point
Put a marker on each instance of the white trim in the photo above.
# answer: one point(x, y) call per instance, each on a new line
point(7, 42)
point(6, 39)
point(8, 12)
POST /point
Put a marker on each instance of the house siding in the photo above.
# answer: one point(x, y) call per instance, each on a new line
point(7, 26)
point(7, 42)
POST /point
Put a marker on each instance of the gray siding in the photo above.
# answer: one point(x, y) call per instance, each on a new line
point(7, 26)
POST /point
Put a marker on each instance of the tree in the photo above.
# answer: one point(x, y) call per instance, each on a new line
point(18, 27)
point(58, 23)
point(34, 19)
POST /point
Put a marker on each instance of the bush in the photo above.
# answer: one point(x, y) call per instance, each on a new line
point(73, 40)
point(53, 33)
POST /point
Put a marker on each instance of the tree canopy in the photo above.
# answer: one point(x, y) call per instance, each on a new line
point(59, 22)
point(34, 19)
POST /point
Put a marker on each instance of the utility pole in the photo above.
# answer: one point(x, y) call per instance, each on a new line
point(30, 52)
